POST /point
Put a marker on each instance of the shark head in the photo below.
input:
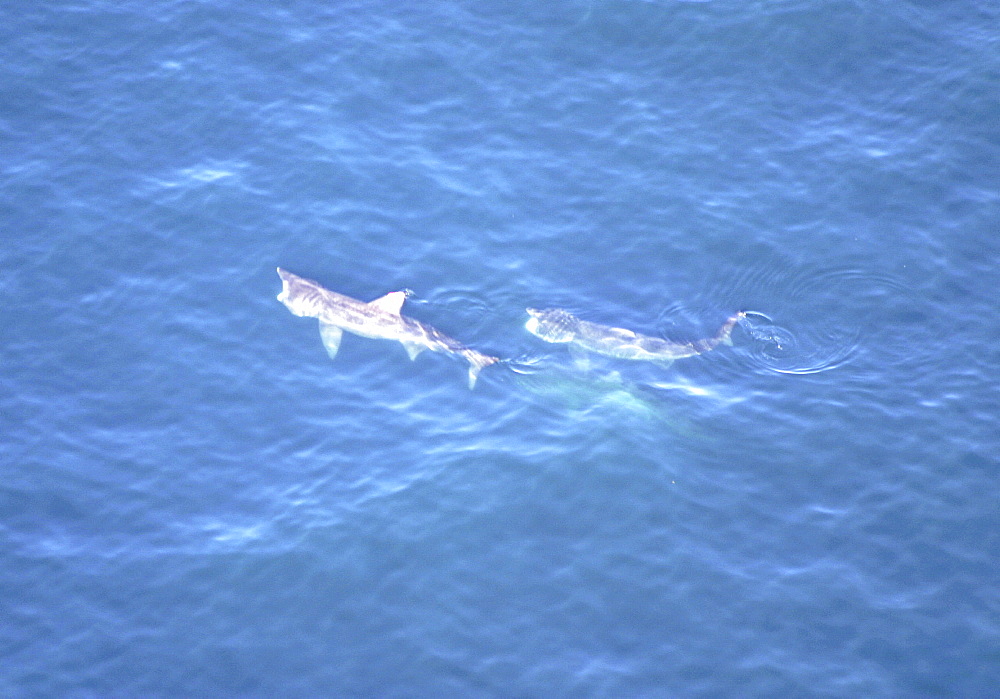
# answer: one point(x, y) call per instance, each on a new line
point(298, 294)
point(552, 324)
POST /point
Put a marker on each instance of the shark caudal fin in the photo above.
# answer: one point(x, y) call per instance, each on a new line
point(476, 363)
point(727, 329)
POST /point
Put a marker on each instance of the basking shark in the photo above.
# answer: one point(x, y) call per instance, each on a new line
point(379, 319)
point(558, 325)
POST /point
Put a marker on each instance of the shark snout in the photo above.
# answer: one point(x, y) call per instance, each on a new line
point(284, 285)
point(532, 325)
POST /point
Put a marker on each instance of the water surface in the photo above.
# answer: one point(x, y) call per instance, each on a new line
point(196, 501)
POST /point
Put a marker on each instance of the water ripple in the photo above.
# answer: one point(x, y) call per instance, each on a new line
point(807, 320)
point(469, 310)
point(809, 350)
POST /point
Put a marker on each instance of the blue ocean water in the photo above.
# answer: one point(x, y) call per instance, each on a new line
point(196, 502)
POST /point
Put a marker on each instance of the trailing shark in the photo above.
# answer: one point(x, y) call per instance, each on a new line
point(560, 326)
point(379, 319)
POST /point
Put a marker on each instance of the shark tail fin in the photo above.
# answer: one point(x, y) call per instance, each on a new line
point(476, 363)
point(727, 329)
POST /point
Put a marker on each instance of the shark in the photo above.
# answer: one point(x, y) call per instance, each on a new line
point(560, 326)
point(379, 319)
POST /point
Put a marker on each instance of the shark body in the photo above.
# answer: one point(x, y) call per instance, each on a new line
point(561, 326)
point(379, 319)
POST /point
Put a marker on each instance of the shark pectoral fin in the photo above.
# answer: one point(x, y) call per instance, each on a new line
point(331, 335)
point(665, 363)
point(390, 303)
point(413, 349)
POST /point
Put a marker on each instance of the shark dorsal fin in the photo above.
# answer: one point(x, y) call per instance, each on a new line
point(390, 303)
